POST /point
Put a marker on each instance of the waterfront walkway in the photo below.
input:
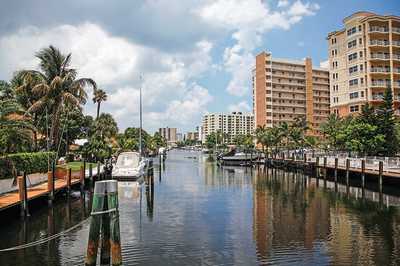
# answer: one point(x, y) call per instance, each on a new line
point(34, 191)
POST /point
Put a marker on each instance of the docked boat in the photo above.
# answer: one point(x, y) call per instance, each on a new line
point(129, 166)
point(235, 158)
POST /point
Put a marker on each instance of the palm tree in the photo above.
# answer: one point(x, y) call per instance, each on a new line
point(98, 97)
point(15, 129)
point(260, 134)
point(58, 86)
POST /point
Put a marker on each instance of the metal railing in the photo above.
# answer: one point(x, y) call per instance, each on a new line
point(380, 69)
point(378, 29)
point(380, 56)
point(379, 42)
point(380, 83)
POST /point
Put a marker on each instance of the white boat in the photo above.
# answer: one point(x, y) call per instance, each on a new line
point(129, 166)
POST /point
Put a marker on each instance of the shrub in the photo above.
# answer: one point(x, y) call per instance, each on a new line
point(12, 164)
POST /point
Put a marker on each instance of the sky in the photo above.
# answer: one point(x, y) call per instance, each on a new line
point(194, 56)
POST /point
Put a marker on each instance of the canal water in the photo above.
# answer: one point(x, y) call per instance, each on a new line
point(201, 214)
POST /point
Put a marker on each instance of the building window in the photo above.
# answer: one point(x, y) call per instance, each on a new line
point(360, 41)
point(351, 31)
point(361, 54)
point(359, 28)
point(352, 44)
point(353, 82)
point(362, 94)
point(354, 95)
point(353, 69)
point(361, 67)
point(352, 56)
point(354, 108)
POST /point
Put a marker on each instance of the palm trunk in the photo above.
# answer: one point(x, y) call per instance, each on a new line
point(55, 127)
point(98, 110)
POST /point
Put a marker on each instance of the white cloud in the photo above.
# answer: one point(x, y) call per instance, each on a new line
point(242, 106)
point(116, 64)
point(324, 64)
point(283, 3)
point(248, 20)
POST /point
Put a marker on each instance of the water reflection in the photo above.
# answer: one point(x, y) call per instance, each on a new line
point(195, 212)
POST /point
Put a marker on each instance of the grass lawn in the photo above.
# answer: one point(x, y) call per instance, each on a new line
point(76, 166)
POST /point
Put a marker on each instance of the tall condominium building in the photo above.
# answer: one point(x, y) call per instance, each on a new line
point(364, 59)
point(230, 125)
point(285, 89)
point(169, 134)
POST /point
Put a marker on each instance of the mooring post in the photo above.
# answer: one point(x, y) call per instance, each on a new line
point(347, 171)
point(115, 238)
point(91, 175)
point(317, 166)
point(23, 194)
point(362, 173)
point(105, 233)
point(380, 177)
point(325, 169)
point(50, 182)
point(69, 176)
point(82, 177)
point(95, 222)
point(336, 168)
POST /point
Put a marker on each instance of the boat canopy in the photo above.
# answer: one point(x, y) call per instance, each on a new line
point(128, 160)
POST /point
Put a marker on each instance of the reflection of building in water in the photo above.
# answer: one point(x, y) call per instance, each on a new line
point(290, 213)
point(287, 215)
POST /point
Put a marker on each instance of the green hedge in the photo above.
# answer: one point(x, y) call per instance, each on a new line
point(12, 164)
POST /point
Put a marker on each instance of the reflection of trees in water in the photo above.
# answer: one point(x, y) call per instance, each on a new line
point(226, 175)
point(289, 211)
point(42, 223)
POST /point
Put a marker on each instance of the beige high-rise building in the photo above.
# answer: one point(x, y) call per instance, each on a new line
point(285, 89)
point(169, 134)
point(364, 59)
point(230, 125)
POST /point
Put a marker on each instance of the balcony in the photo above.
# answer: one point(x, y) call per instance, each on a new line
point(379, 83)
point(396, 56)
point(378, 29)
point(397, 84)
point(385, 56)
point(380, 69)
point(379, 42)
point(396, 70)
point(377, 97)
point(396, 30)
point(396, 43)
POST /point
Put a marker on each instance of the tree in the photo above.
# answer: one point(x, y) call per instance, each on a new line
point(361, 137)
point(387, 124)
point(99, 96)
point(105, 126)
point(6, 92)
point(260, 134)
point(331, 129)
point(58, 86)
point(15, 129)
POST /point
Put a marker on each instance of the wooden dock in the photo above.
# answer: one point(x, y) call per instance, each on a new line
point(44, 189)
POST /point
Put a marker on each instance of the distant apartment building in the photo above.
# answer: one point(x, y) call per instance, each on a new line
point(169, 134)
point(231, 125)
point(179, 137)
point(192, 136)
point(284, 89)
point(364, 59)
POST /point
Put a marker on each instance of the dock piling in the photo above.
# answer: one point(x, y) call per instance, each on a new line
point(325, 169)
point(347, 171)
point(82, 177)
point(105, 216)
point(380, 177)
point(69, 176)
point(23, 194)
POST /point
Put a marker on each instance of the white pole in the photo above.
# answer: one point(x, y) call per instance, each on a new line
point(140, 115)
